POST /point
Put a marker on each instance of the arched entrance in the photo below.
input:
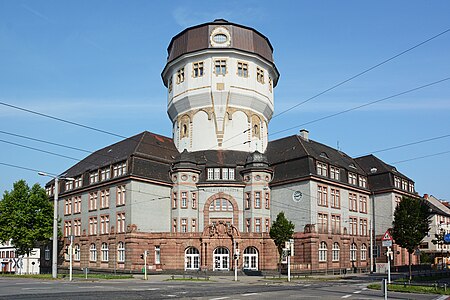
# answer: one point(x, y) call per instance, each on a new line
point(221, 258)
point(250, 259)
point(192, 259)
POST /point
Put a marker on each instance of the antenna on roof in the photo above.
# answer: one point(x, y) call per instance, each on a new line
point(337, 146)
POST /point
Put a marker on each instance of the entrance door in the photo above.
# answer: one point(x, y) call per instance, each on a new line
point(221, 258)
point(251, 258)
point(192, 259)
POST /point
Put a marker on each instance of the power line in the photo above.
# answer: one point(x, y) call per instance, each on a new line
point(24, 168)
point(363, 105)
point(361, 73)
point(420, 157)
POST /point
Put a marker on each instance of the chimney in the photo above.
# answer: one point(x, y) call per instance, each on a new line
point(425, 196)
point(304, 134)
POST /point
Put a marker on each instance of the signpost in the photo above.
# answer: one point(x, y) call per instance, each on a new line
point(387, 242)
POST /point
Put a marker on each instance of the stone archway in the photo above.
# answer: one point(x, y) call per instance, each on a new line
point(220, 195)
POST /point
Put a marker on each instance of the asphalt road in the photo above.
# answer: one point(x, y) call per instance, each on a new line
point(217, 289)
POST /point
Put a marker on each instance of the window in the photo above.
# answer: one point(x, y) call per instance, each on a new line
point(322, 223)
point(93, 201)
point(335, 198)
point(404, 185)
point(197, 69)
point(397, 182)
point(68, 206)
point(353, 250)
point(157, 255)
point(174, 225)
point(362, 181)
point(220, 174)
point(231, 174)
point(353, 202)
point(192, 259)
point(270, 84)
point(363, 227)
point(267, 225)
point(247, 200)
point(183, 225)
point(247, 225)
point(210, 174)
point(77, 204)
point(242, 69)
point(221, 205)
point(77, 227)
point(78, 181)
point(184, 200)
point(250, 257)
point(194, 200)
point(363, 204)
point(105, 174)
point(174, 200)
point(93, 225)
point(180, 75)
point(194, 225)
point(216, 173)
point(104, 199)
point(120, 198)
point(67, 228)
point(352, 178)
point(267, 197)
point(323, 252)
point(260, 75)
point(221, 257)
point(121, 222)
point(77, 253)
point(321, 168)
point(353, 226)
point(225, 174)
point(334, 173)
point(335, 224)
point(93, 253)
point(220, 66)
point(69, 185)
point(322, 198)
point(398, 199)
point(104, 224)
point(411, 187)
point(105, 252)
point(170, 84)
point(120, 169)
point(335, 252)
point(93, 177)
point(121, 252)
point(257, 225)
point(257, 199)
point(363, 252)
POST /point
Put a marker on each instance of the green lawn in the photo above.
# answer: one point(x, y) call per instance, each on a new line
point(412, 289)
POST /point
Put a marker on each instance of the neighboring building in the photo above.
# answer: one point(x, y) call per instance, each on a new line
point(11, 263)
point(218, 184)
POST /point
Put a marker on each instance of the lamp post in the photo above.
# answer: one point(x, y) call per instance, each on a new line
point(55, 221)
point(372, 227)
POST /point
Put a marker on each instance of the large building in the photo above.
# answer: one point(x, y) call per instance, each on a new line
point(216, 186)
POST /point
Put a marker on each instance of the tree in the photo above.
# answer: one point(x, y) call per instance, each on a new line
point(26, 217)
point(281, 231)
point(411, 224)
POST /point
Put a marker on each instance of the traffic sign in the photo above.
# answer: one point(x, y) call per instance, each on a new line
point(387, 243)
point(387, 236)
point(447, 238)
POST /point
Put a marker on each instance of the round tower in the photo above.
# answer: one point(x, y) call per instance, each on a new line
point(220, 78)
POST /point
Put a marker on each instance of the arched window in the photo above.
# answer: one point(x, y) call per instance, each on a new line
point(221, 258)
point(363, 252)
point(76, 256)
point(105, 252)
point(93, 253)
point(353, 250)
point(323, 252)
point(192, 259)
point(121, 252)
point(336, 250)
point(251, 258)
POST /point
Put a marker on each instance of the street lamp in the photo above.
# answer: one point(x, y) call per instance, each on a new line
point(55, 221)
point(372, 226)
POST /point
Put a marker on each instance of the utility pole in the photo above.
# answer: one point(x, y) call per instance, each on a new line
point(235, 257)
point(371, 247)
point(145, 264)
point(70, 257)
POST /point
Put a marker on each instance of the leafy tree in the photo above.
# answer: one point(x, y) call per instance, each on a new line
point(281, 231)
point(411, 224)
point(26, 217)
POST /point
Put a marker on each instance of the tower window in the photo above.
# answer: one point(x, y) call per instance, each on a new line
point(220, 174)
point(242, 69)
point(180, 75)
point(220, 66)
point(197, 69)
point(170, 84)
point(260, 75)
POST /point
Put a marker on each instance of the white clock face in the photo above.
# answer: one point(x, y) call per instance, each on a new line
point(297, 196)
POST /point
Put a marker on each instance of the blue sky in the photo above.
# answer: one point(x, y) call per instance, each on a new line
point(99, 62)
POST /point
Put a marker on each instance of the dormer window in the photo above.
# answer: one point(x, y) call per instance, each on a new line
point(105, 174)
point(324, 155)
point(362, 181)
point(404, 185)
point(120, 169)
point(352, 178)
point(352, 166)
point(220, 174)
point(411, 187)
point(93, 177)
point(334, 173)
point(78, 181)
point(69, 185)
point(397, 182)
point(322, 168)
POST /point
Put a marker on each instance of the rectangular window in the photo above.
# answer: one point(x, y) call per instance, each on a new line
point(180, 75)
point(257, 225)
point(120, 197)
point(257, 199)
point(335, 198)
point(78, 181)
point(247, 225)
point(77, 227)
point(242, 69)
point(93, 201)
point(194, 200)
point(335, 224)
point(68, 206)
point(322, 223)
point(170, 84)
point(210, 174)
point(260, 75)
point(231, 174)
point(105, 174)
point(353, 226)
point(322, 195)
point(92, 225)
point(352, 178)
point(67, 228)
point(183, 225)
point(267, 225)
point(104, 199)
point(220, 66)
point(174, 225)
point(77, 204)
point(225, 174)
point(404, 185)
point(120, 169)
point(184, 201)
point(104, 224)
point(174, 200)
point(322, 168)
point(363, 227)
point(267, 197)
point(157, 255)
point(270, 84)
point(353, 202)
point(93, 177)
point(397, 182)
point(397, 200)
point(411, 187)
point(69, 185)
point(194, 225)
point(362, 181)
point(216, 173)
point(197, 69)
point(334, 173)
point(247, 200)
point(363, 204)
point(121, 222)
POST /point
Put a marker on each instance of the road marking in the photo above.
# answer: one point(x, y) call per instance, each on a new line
point(346, 296)
point(356, 292)
point(249, 294)
point(307, 285)
point(37, 288)
point(365, 289)
point(219, 298)
point(153, 289)
point(169, 296)
point(444, 297)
